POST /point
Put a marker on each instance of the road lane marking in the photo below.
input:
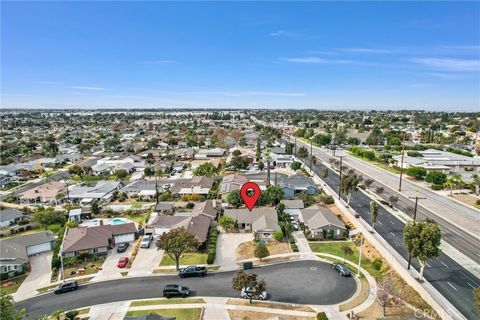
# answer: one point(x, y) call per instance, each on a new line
point(379, 223)
point(392, 222)
point(470, 285)
point(443, 263)
point(451, 285)
point(393, 235)
point(428, 265)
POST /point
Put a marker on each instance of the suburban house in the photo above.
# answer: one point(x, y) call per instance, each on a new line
point(199, 225)
point(15, 252)
point(207, 208)
point(210, 153)
point(196, 185)
point(231, 183)
point(262, 221)
point(293, 185)
point(51, 192)
point(96, 240)
point(112, 164)
point(293, 207)
point(165, 208)
point(145, 189)
point(436, 160)
point(322, 223)
point(10, 216)
point(79, 214)
point(103, 190)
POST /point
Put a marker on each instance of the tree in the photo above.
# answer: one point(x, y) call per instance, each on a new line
point(373, 212)
point(268, 158)
point(278, 235)
point(260, 165)
point(349, 184)
point(77, 171)
point(325, 173)
point(376, 137)
point(176, 242)
point(45, 217)
point(322, 139)
point(240, 162)
point(235, 199)
point(368, 182)
point(296, 165)
point(149, 171)
point(226, 222)
point(417, 172)
point(261, 251)
point(436, 177)
point(8, 311)
point(121, 174)
point(95, 207)
point(250, 283)
point(71, 315)
point(393, 199)
point(453, 181)
point(272, 195)
point(422, 240)
point(236, 153)
point(207, 169)
point(302, 152)
point(386, 296)
point(346, 251)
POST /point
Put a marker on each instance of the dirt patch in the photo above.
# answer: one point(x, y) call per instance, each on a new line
point(375, 312)
point(283, 306)
point(253, 315)
point(246, 249)
point(466, 198)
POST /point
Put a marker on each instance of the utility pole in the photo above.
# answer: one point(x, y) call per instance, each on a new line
point(61, 255)
point(340, 180)
point(414, 219)
point(360, 256)
point(156, 187)
point(311, 153)
point(401, 165)
point(295, 147)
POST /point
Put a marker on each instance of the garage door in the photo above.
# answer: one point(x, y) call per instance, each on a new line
point(37, 248)
point(125, 238)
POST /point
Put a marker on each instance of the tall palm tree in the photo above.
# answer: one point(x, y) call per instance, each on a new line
point(453, 181)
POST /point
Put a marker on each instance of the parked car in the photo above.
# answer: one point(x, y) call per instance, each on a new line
point(67, 286)
point(341, 269)
point(175, 290)
point(244, 294)
point(146, 241)
point(122, 247)
point(122, 262)
point(192, 271)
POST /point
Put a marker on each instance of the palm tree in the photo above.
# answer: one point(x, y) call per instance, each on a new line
point(453, 181)
point(268, 157)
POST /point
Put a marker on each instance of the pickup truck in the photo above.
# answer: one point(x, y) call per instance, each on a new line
point(146, 240)
point(192, 271)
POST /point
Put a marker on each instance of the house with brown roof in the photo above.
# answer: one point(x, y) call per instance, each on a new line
point(49, 192)
point(262, 221)
point(322, 223)
point(199, 225)
point(96, 240)
point(207, 208)
point(231, 183)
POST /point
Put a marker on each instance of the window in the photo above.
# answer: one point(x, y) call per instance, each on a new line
point(338, 232)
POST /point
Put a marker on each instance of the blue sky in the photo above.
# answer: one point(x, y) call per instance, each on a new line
point(375, 55)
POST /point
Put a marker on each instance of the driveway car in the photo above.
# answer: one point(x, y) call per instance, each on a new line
point(66, 287)
point(122, 262)
point(175, 290)
point(122, 247)
point(341, 269)
point(245, 291)
point(147, 239)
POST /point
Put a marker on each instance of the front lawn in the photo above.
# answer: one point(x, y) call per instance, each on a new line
point(187, 259)
point(246, 250)
point(90, 266)
point(154, 302)
point(180, 314)
point(335, 249)
point(14, 287)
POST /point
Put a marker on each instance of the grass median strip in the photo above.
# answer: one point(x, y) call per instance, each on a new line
point(179, 314)
point(154, 302)
point(284, 306)
point(186, 259)
point(173, 271)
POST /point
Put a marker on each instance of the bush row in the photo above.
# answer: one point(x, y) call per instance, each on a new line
point(360, 152)
point(212, 246)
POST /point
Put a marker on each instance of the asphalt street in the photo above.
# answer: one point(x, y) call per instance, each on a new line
point(453, 281)
point(302, 282)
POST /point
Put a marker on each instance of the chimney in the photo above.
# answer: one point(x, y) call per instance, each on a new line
point(101, 222)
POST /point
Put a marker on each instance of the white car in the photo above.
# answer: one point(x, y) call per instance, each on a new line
point(147, 239)
point(262, 296)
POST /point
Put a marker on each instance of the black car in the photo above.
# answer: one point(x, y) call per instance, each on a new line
point(341, 269)
point(66, 286)
point(122, 247)
point(192, 271)
point(175, 290)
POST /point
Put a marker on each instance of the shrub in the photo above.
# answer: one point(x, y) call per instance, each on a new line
point(294, 247)
point(417, 172)
point(190, 205)
point(322, 316)
point(477, 202)
point(328, 200)
point(437, 187)
point(212, 246)
point(436, 177)
point(377, 264)
point(278, 235)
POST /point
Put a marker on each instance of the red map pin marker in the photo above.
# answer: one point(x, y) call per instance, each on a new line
point(250, 193)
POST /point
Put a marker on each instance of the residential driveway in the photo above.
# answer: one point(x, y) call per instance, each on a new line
point(227, 244)
point(39, 276)
point(109, 268)
point(146, 261)
point(303, 246)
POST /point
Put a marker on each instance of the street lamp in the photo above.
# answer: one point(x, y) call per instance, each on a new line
point(340, 181)
point(414, 219)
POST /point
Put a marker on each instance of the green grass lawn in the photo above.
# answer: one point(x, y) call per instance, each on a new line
point(335, 249)
point(165, 301)
point(377, 163)
point(137, 218)
point(180, 314)
point(86, 265)
point(23, 233)
point(186, 259)
point(12, 289)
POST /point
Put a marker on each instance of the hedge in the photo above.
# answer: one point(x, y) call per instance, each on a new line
point(212, 246)
point(437, 187)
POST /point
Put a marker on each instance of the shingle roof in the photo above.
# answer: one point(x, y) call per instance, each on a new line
point(293, 204)
point(232, 182)
point(205, 208)
point(8, 214)
point(16, 248)
point(317, 217)
point(263, 218)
